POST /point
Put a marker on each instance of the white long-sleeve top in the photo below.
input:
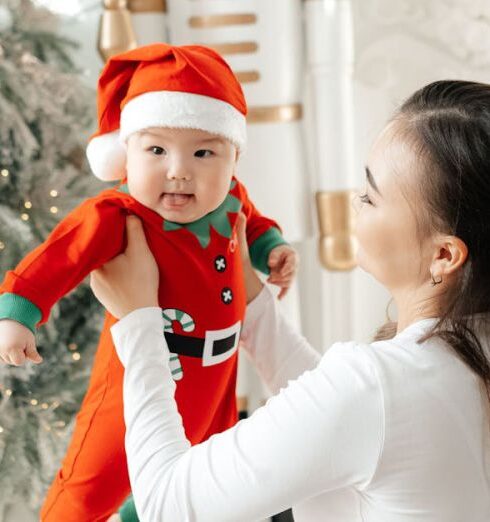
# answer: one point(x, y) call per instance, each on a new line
point(392, 431)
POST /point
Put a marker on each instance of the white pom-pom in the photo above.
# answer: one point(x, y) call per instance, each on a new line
point(107, 157)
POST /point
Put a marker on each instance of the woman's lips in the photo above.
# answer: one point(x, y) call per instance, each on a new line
point(176, 200)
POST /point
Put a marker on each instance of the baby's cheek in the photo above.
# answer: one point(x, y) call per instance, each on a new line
point(144, 189)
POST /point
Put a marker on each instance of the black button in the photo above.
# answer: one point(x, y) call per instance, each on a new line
point(226, 295)
point(220, 263)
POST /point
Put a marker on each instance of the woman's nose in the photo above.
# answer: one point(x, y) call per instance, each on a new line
point(356, 202)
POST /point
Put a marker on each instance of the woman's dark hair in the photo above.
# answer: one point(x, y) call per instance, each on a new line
point(449, 124)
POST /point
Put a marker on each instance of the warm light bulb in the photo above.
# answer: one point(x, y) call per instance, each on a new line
point(24, 217)
point(53, 210)
point(53, 193)
point(2, 245)
point(76, 356)
point(28, 204)
point(4, 173)
point(34, 402)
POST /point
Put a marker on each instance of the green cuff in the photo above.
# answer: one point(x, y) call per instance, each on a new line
point(20, 309)
point(128, 511)
point(262, 246)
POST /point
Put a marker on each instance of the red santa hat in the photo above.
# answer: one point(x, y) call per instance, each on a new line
point(162, 85)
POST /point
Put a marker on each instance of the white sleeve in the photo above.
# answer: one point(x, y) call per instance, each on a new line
point(323, 432)
point(277, 350)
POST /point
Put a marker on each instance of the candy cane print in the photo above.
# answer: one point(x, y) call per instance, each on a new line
point(187, 324)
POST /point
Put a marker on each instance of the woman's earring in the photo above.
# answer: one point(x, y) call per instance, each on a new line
point(433, 281)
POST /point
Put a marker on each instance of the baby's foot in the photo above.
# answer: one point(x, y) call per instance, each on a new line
point(114, 518)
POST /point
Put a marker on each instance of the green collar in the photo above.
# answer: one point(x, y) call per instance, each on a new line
point(218, 219)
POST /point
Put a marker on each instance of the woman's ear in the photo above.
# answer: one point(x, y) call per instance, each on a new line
point(450, 255)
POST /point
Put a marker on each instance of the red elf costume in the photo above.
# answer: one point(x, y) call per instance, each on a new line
point(202, 296)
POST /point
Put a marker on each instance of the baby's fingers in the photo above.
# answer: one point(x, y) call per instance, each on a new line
point(16, 357)
point(32, 354)
point(283, 292)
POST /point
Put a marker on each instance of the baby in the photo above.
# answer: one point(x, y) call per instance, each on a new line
point(171, 126)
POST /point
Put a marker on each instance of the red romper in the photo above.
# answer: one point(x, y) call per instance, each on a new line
point(203, 303)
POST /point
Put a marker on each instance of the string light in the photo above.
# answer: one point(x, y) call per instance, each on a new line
point(8, 392)
point(24, 217)
point(72, 346)
point(34, 402)
point(44, 405)
point(76, 356)
point(28, 204)
point(1, 429)
point(4, 173)
point(53, 210)
point(2, 245)
point(53, 193)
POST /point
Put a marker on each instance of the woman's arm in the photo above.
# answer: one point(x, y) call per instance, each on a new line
point(322, 432)
point(276, 349)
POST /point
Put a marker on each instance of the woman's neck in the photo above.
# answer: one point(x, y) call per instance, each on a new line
point(413, 306)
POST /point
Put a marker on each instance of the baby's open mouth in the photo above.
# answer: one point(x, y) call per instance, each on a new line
point(176, 200)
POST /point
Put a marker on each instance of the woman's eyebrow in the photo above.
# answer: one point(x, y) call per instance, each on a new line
point(370, 180)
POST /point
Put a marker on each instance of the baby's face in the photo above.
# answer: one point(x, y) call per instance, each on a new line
point(182, 174)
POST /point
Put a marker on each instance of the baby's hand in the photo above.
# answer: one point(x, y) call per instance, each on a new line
point(17, 344)
point(283, 263)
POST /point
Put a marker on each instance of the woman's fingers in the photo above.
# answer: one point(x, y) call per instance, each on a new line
point(130, 280)
point(136, 235)
point(241, 229)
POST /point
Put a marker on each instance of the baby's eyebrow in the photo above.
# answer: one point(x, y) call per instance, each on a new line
point(221, 141)
point(149, 133)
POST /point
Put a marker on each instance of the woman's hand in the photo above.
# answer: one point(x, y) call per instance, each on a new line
point(130, 280)
point(253, 285)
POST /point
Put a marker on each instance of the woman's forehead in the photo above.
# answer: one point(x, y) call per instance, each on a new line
point(393, 155)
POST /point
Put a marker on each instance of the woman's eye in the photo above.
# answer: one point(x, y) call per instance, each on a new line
point(203, 153)
point(158, 151)
point(365, 199)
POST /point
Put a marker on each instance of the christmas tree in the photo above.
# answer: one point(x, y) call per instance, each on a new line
point(45, 112)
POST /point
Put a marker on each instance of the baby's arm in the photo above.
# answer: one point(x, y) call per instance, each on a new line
point(263, 234)
point(269, 252)
point(87, 238)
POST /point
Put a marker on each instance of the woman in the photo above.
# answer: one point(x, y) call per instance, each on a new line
point(393, 431)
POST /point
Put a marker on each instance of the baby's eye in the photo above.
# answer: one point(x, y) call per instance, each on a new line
point(203, 153)
point(158, 151)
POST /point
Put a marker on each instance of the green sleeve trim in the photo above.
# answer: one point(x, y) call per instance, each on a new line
point(261, 247)
point(128, 511)
point(20, 309)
